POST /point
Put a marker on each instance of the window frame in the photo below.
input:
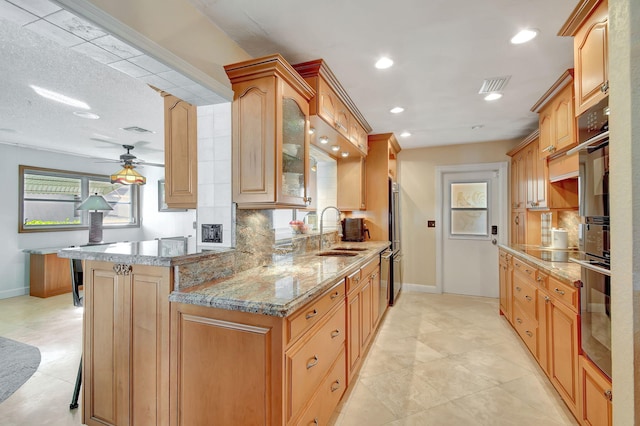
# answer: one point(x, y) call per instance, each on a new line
point(467, 236)
point(85, 178)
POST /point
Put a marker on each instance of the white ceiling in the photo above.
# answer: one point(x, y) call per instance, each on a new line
point(443, 50)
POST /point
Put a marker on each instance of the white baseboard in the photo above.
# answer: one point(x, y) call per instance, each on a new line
point(420, 288)
point(14, 292)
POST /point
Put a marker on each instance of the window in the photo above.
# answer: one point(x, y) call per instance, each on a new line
point(469, 210)
point(49, 198)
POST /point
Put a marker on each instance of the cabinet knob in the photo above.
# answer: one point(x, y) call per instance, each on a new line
point(335, 333)
point(315, 421)
point(530, 334)
point(517, 220)
point(335, 386)
point(312, 314)
point(307, 200)
point(528, 298)
point(605, 87)
point(608, 394)
point(313, 362)
point(334, 295)
point(518, 320)
point(547, 299)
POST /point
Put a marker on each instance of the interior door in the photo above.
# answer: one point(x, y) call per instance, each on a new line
point(469, 251)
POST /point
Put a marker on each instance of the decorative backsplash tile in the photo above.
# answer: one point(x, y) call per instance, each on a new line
point(570, 220)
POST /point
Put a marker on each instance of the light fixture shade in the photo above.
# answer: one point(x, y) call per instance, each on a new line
point(94, 202)
point(128, 176)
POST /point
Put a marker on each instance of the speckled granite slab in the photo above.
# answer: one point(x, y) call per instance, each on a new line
point(566, 271)
point(280, 287)
point(153, 252)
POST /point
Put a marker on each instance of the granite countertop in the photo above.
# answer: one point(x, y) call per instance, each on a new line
point(162, 252)
point(281, 287)
point(567, 271)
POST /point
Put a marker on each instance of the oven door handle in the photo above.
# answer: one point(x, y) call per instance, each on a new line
point(592, 267)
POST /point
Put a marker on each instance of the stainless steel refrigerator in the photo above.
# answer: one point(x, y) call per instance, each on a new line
point(395, 273)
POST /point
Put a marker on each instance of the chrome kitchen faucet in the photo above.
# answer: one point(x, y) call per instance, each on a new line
point(322, 221)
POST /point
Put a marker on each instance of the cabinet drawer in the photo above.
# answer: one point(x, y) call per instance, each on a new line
point(565, 293)
point(524, 268)
point(526, 295)
point(329, 393)
point(368, 269)
point(312, 313)
point(311, 358)
point(353, 281)
point(527, 328)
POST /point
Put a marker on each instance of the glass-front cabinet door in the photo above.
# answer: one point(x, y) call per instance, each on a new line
point(294, 150)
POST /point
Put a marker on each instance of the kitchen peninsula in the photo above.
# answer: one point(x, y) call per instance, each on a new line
point(275, 343)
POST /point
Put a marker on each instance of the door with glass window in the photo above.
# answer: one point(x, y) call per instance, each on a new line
point(469, 233)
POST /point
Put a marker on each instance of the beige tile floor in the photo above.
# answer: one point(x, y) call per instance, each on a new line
point(437, 360)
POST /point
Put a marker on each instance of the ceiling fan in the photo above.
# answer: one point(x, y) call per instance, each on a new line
point(128, 176)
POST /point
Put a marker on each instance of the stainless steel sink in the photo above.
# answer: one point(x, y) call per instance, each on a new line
point(349, 248)
point(336, 253)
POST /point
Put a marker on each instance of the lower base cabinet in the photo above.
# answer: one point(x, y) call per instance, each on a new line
point(49, 275)
point(596, 400)
point(125, 344)
point(563, 352)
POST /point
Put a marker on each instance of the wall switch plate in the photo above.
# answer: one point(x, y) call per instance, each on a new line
point(211, 233)
point(431, 224)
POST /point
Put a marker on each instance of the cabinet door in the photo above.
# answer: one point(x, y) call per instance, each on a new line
point(518, 181)
point(351, 184)
point(546, 144)
point(563, 119)
point(367, 313)
point(596, 401)
point(591, 59)
point(294, 171)
point(518, 227)
point(342, 119)
point(327, 103)
point(180, 153)
point(563, 352)
point(537, 176)
point(355, 336)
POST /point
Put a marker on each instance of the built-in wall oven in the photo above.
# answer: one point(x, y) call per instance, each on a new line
point(593, 235)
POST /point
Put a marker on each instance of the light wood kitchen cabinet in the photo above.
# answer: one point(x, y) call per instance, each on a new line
point(381, 166)
point(537, 177)
point(270, 136)
point(49, 275)
point(563, 351)
point(518, 227)
point(180, 153)
point(589, 25)
point(557, 122)
point(504, 275)
point(352, 183)
point(334, 116)
point(595, 389)
point(126, 344)
point(519, 181)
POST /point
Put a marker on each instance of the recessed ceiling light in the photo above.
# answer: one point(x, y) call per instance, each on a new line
point(84, 114)
point(493, 96)
point(324, 140)
point(58, 97)
point(396, 110)
point(345, 154)
point(384, 63)
point(335, 148)
point(524, 36)
point(405, 134)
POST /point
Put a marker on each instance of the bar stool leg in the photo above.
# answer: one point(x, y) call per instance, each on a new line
point(76, 391)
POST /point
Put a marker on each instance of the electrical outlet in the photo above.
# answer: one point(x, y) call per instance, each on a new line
point(431, 224)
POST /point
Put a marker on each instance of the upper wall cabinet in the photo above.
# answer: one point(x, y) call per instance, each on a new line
point(556, 117)
point(589, 24)
point(180, 153)
point(335, 119)
point(270, 135)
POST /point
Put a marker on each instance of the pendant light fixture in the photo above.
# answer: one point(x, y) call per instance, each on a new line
point(128, 176)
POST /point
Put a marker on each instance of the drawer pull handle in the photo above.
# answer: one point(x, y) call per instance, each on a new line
point(312, 314)
point(313, 362)
point(518, 289)
point(539, 279)
point(334, 295)
point(527, 271)
point(335, 386)
point(518, 320)
point(560, 292)
point(608, 394)
point(547, 299)
point(528, 298)
point(335, 333)
point(315, 421)
point(530, 334)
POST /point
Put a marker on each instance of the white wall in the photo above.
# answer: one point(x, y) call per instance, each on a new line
point(14, 264)
point(214, 172)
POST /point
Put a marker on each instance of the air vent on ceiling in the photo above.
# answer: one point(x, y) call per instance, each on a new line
point(496, 84)
point(136, 129)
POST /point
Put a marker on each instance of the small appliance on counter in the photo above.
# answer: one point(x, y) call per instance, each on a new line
point(354, 229)
point(559, 238)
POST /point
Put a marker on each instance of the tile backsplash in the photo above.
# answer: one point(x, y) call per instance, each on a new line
point(570, 220)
